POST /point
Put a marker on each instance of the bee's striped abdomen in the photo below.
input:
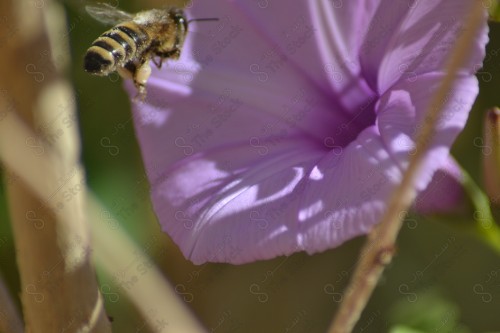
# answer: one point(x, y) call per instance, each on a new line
point(115, 48)
point(123, 39)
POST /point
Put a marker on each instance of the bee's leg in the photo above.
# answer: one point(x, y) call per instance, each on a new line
point(173, 54)
point(139, 73)
point(158, 64)
point(141, 77)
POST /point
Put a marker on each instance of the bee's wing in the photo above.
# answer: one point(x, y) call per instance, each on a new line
point(108, 14)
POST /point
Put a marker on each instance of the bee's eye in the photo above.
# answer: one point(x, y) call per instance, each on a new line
point(182, 20)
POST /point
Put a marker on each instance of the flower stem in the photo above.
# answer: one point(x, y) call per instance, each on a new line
point(491, 158)
point(380, 246)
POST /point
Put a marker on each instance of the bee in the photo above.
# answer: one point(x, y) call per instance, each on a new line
point(135, 39)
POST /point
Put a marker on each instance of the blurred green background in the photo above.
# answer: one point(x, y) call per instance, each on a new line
point(457, 290)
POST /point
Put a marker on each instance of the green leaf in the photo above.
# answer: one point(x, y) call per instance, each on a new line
point(484, 225)
point(429, 313)
point(494, 10)
point(404, 329)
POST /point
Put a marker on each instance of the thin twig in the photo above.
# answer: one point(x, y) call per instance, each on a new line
point(114, 253)
point(379, 249)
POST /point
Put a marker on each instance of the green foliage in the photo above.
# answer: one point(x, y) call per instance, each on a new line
point(431, 312)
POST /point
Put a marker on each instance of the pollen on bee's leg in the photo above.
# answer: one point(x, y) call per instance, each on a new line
point(141, 93)
point(141, 76)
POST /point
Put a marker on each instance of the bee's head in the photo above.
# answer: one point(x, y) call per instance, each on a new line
point(180, 20)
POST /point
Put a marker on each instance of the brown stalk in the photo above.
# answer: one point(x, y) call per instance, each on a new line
point(59, 291)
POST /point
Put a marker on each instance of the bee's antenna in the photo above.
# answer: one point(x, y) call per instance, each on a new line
point(204, 19)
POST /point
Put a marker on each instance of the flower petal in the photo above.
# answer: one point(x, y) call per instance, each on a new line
point(445, 193)
point(422, 35)
point(402, 113)
point(254, 148)
point(215, 205)
point(280, 44)
point(234, 205)
point(353, 190)
point(172, 126)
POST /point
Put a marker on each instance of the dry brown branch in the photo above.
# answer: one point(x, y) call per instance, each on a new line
point(59, 288)
point(112, 249)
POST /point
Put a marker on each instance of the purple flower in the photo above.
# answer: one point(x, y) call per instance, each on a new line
point(285, 126)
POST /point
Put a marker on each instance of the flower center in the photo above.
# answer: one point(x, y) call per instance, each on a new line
point(358, 104)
